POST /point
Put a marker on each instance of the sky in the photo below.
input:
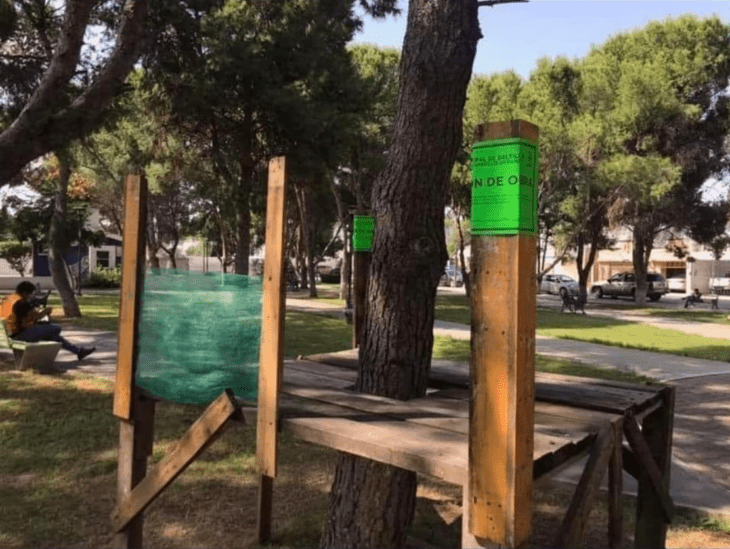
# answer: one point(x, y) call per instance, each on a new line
point(517, 35)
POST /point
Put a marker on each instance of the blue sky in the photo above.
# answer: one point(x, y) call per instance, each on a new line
point(517, 35)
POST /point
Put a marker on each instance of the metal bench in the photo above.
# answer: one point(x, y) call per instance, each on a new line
point(41, 354)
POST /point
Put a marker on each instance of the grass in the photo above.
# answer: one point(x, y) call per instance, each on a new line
point(606, 331)
point(58, 481)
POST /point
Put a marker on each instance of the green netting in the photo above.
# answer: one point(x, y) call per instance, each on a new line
point(199, 335)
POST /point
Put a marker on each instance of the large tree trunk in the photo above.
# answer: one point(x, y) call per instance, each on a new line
point(57, 241)
point(640, 257)
point(371, 505)
point(243, 194)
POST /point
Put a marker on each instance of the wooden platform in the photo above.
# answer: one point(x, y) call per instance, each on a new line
point(573, 416)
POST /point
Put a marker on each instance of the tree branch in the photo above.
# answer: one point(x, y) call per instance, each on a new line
point(44, 125)
point(491, 3)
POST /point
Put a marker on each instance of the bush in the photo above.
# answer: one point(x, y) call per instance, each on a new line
point(104, 278)
point(16, 254)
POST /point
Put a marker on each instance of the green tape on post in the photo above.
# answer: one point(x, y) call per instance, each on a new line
point(362, 233)
point(504, 187)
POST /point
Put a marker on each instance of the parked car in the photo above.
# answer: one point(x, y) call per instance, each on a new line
point(451, 277)
point(720, 284)
point(677, 284)
point(624, 284)
point(559, 284)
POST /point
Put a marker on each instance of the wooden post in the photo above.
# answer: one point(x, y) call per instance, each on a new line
point(360, 280)
point(272, 344)
point(651, 527)
point(133, 262)
point(501, 418)
point(135, 412)
point(135, 445)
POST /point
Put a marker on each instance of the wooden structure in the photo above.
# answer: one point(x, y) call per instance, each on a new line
point(503, 307)
point(573, 417)
point(361, 267)
point(137, 487)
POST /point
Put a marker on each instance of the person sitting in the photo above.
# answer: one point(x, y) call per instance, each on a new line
point(22, 321)
point(694, 297)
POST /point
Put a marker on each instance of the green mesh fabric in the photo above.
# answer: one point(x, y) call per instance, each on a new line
point(199, 335)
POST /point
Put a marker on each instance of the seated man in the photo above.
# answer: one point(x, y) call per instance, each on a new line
point(21, 321)
point(694, 297)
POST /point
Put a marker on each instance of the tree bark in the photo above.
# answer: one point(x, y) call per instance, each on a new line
point(57, 243)
point(371, 505)
point(464, 272)
point(45, 124)
point(640, 256)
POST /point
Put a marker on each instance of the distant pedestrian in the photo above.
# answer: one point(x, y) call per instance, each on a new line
point(694, 297)
point(22, 321)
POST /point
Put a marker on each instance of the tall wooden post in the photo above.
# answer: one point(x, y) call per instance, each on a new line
point(499, 499)
point(272, 345)
point(657, 428)
point(136, 414)
point(361, 254)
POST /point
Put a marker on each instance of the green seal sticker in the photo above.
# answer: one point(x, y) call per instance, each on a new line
point(362, 233)
point(504, 187)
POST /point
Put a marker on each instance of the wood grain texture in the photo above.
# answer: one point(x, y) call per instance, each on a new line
point(272, 344)
point(651, 529)
point(198, 437)
point(133, 262)
point(272, 325)
point(502, 386)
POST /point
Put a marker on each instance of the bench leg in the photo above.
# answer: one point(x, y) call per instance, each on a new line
point(18, 356)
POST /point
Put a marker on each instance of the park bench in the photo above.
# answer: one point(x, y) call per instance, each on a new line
point(691, 301)
point(571, 303)
point(41, 354)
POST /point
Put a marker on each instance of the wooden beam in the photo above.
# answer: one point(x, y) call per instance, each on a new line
point(576, 518)
point(135, 445)
point(616, 489)
point(198, 437)
point(360, 274)
point(648, 466)
point(272, 343)
point(501, 419)
point(133, 262)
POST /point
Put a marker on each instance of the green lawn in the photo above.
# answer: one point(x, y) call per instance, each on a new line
point(607, 331)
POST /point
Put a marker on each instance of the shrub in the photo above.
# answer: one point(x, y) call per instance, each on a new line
point(16, 254)
point(104, 278)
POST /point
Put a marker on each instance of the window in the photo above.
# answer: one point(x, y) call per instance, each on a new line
point(102, 259)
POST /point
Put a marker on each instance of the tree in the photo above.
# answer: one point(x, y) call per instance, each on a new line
point(641, 201)
point(371, 505)
point(653, 94)
point(17, 254)
point(51, 118)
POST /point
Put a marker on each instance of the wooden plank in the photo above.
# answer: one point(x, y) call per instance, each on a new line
point(630, 463)
point(648, 466)
point(198, 437)
point(503, 390)
point(135, 445)
point(321, 369)
point(272, 342)
point(574, 522)
point(651, 530)
point(272, 332)
point(599, 395)
point(133, 262)
point(616, 489)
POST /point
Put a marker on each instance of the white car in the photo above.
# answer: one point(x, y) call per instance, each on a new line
point(559, 284)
